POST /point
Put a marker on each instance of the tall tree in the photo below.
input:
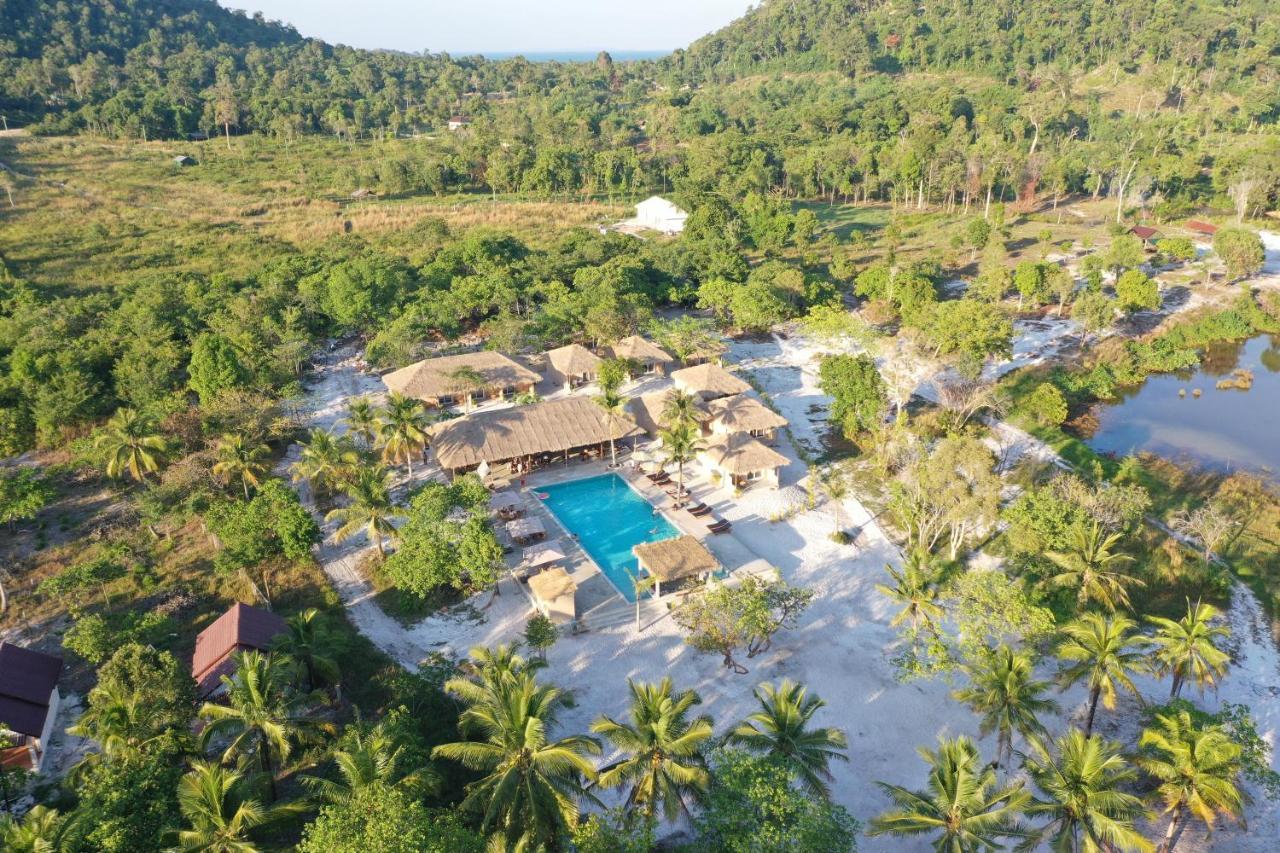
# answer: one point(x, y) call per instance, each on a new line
point(305, 642)
point(362, 420)
point(1186, 650)
point(131, 444)
point(238, 458)
point(680, 445)
point(662, 750)
point(1004, 690)
point(1085, 799)
point(1197, 769)
point(370, 509)
point(916, 591)
point(403, 431)
point(781, 729)
point(1102, 652)
point(327, 461)
point(220, 810)
point(1087, 566)
point(962, 807)
point(612, 404)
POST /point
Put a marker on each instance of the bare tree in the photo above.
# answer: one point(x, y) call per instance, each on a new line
point(1211, 524)
point(967, 397)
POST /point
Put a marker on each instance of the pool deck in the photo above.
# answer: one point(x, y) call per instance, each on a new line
point(599, 603)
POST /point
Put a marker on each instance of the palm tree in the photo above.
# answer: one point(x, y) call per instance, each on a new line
point(41, 830)
point(1197, 770)
point(240, 459)
point(680, 409)
point(680, 444)
point(218, 808)
point(362, 420)
point(1084, 800)
point(837, 489)
point(916, 590)
point(1102, 652)
point(121, 721)
point(327, 461)
point(961, 807)
point(262, 715)
point(403, 431)
point(662, 749)
point(780, 728)
point(1085, 566)
point(468, 380)
point(132, 445)
point(369, 759)
point(612, 403)
point(370, 509)
point(531, 786)
point(1005, 692)
point(1186, 649)
point(304, 643)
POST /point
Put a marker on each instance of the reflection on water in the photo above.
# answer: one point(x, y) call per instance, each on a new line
point(1225, 428)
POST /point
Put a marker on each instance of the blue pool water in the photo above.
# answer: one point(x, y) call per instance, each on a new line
point(609, 519)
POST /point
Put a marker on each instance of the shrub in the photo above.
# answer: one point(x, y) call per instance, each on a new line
point(1047, 405)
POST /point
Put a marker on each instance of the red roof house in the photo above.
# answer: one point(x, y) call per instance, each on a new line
point(28, 703)
point(1206, 228)
point(1145, 233)
point(239, 629)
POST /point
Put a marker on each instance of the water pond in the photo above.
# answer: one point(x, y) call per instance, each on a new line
point(1233, 424)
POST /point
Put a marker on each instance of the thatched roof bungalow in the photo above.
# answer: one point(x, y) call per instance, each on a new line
point(572, 366)
point(743, 413)
point(673, 560)
point(709, 381)
point(742, 460)
point(650, 357)
point(444, 381)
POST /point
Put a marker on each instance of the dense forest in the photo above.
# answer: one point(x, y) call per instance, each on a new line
point(201, 212)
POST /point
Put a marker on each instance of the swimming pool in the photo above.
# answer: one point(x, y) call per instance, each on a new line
point(609, 519)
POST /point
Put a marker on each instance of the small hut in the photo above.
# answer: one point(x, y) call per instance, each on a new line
point(743, 413)
point(1148, 235)
point(709, 381)
point(553, 595)
point(648, 356)
point(673, 560)
point(573, 366)
point(742, 460)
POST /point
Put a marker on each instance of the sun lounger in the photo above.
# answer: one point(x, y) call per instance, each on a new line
point(661, 479)
point(699, 510)
point(719, 526)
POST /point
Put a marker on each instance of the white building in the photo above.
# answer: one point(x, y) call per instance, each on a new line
point(660, 215)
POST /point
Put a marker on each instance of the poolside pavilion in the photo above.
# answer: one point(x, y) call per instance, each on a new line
point(709, 381)
point(741, 460)
point(553, 594)
point(531, 436)
point(674, 560)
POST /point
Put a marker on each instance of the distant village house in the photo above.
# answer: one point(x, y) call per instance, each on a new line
point(28, 704)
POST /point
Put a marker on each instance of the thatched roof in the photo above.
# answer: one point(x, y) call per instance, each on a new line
point(744, 413)
point(433, 378)
point(739, 453)
point(639, 349)
point(673, 559)
point(647, 410)
point(709, 379)
point(573, 360)
point(551, 584)
point(551, 426)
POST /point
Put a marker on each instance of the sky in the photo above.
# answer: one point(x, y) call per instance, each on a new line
point(474, 26)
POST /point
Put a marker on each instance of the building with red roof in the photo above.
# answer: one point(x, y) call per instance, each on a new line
point(239, 629)
point(28, 704)
point(1206, 228)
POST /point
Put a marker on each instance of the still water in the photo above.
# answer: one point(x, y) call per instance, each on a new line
point(1224, 428)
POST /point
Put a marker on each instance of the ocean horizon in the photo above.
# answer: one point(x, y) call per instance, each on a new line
point(568, 55)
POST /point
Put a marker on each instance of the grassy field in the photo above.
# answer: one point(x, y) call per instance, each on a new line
point(119, 210)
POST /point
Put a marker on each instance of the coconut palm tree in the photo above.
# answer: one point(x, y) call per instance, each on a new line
point(612, 404)
point(1186, 648)
point(530, 788)
point(837, 489)
point(662, 749)
point(468, 380)
point(680, 444)
point(362, 420)
point(41, 830)
point(121, 721)
point(680, 409)
point(370, 509)
point(369, 758)
point(220, 811)
point(1102, 652)
point(1197, 768)
point(304, 643)
point(403, 430)
point(1084, 798)
point(262, 716)
point(327, 461)
point(1087, 566)
point(240, 459)
point(132, 445)
point(916, 590)
point(1004, 690)
point(781, 729)
point(961, 807)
